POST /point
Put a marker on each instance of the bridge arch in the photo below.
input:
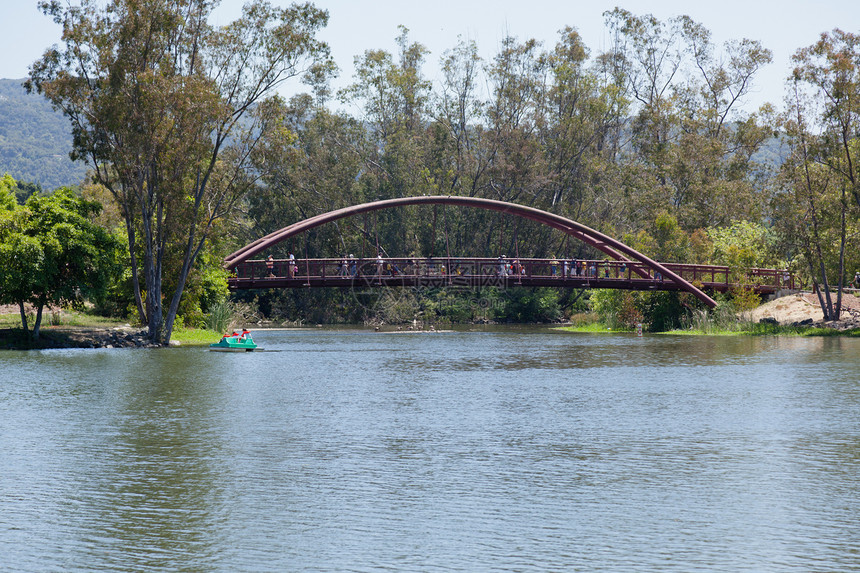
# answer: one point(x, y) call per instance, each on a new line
point(612, 247)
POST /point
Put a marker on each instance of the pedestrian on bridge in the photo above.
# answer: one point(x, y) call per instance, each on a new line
point(291, 266)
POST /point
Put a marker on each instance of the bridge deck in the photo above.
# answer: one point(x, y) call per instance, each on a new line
point(484, 272)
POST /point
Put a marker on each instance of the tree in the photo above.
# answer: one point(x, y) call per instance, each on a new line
point(651, 54)
point(52, 254)
point(166, 109)
point(812, 210)
point(456, 111)
point(830, 69)
point(312, 165)
point(7, 195)
point(694, 146)
point(822, 174)
point(582, 114)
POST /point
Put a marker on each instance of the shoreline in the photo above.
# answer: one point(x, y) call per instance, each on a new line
point(792, 315)
point(52, 338)
point(122, 337)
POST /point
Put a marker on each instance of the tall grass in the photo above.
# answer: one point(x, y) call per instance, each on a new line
point(724, 320)
point(220, 317)
point(721, 320)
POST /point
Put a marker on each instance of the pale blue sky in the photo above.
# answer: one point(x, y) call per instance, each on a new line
point(355, 26)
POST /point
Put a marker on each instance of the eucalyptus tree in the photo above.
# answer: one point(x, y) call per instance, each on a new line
point(650, 53)
point(458, 112)
point(584, 113)
point(311, 165)
point(393, 97)
point(517, 79)
point(830, 71)
point(818, 211)
point(166, 110)
point(694, 143)
point(714, 178)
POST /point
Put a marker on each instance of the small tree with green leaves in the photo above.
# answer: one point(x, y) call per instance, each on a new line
point(52, 254)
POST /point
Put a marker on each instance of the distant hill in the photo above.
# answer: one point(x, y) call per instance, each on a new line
point(35, 140)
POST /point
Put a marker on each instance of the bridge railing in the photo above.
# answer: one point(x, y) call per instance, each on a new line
point(339, 269)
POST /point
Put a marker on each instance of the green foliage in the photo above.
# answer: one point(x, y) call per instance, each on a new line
point(661, 310)
point(177, 161)
point(744, 245)
point(25, 190)
point(205, 288)
point(524, 305)
point(818, 212)
point(723, 319)
point(7, 197)
point(615, 308)
point(22, 259)
point(220, 317)
point(652, 149)
point(51, 254)
point(658, 311)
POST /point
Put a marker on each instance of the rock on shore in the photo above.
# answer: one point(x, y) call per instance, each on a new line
point(804, 309)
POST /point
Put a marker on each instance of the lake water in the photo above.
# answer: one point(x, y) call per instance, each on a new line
point(508, 450)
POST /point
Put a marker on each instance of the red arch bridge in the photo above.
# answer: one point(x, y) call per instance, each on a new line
point(625, 268)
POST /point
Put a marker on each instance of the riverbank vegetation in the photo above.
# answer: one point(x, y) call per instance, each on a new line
point(69, 328)
point(660, 152)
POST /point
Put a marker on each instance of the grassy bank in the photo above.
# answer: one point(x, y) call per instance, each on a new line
point(589, 323)
point(195, 336)
point(64, 318)
point(767, 329)
point(751, 330)
point(76, 329)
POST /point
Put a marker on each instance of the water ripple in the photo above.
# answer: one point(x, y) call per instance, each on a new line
point(497, 451)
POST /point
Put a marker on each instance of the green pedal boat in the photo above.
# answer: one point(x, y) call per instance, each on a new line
point(235, 342)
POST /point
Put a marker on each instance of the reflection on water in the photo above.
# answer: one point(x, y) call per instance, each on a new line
point(505, 450)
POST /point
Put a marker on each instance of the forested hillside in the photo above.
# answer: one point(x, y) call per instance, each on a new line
point(35, 140)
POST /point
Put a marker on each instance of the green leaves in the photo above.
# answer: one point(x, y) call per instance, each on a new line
point(51, 254)
point(162, 107)
point(7, 195)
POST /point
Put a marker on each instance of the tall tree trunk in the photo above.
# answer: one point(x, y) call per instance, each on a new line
point(23, 318)
point(842, 239)
point(154, 309)
point(135, 273)
point(152, 266)
point(191, 254)
point(824, 297)
point(38, 324)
